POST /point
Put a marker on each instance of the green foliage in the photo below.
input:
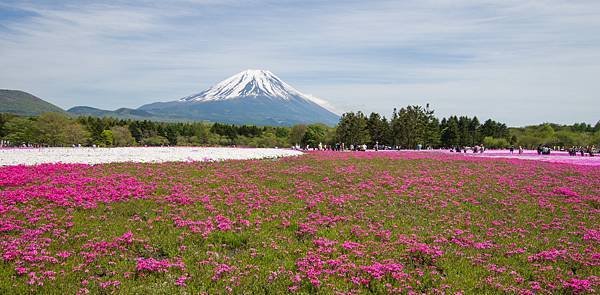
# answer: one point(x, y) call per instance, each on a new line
point(4, 118)
point(156, 140)
point(554, 135)
point(407, 128)
point(76, 134)
point(122, 136)
point(20, 130)
point(465, 131)
point(450, 134)
point(315, 134)
point(411, 126)
point(415, 125)
point(50, 128)
point(495, 143)
point(282, 132)
point(297, 134)
point(379, 129)
point(107, 138)
point(353, 129)
point(494, 129)
point(595, 138)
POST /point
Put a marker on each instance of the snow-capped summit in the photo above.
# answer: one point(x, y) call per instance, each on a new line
point(250, 97)
point(247, 83)
point(252, 83)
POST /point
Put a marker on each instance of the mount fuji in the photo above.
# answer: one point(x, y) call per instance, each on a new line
point(250, 97)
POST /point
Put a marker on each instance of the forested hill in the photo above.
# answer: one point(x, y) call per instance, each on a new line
point(22, 103)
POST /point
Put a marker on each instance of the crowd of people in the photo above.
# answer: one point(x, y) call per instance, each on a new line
point(334, 147)
point(8, 144)
point(573, 151)
point(475, 149)
point(589, 150)
point(543, 150)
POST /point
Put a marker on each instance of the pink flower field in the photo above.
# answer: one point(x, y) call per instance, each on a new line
point(323, 222)
point(554, 157)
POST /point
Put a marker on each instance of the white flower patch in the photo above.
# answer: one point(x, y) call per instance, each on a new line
point(84, 155)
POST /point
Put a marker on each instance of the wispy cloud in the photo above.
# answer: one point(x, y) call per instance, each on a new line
point(517, 61)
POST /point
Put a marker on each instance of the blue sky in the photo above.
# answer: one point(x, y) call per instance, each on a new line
point(520, 62)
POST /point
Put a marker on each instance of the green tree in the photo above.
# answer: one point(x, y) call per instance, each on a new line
point(107, 138)
point(474, 132)
point(432, 136)
point(529, 141)
point(450, 135)
point(282, 132)
point(433, 133)
point(202, 133)
point(545, 131)
point(51, 127)
point(4, 118)
point(463, 129)
point(493, 129)
point(156, 140)
point(122, 136)
point(409, 126)
point(595, 138)
point(297, 134)
point(135, 131)
point(378, 128)
point(76, 134)
point(21, 130)
point(171, 134)
point(353, 129)
point(315, 134)
point(230, 131)
point(495, 143)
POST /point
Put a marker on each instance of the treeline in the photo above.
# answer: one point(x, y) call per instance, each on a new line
point(408, 128)
point(53, 129)
point(414, 126)
point(578, 135)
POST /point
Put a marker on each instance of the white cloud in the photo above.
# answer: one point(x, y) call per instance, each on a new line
point(476, 57)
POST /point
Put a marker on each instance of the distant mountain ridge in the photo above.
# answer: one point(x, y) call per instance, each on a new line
point(255, 97)
point(22, 103)
point(118, 113)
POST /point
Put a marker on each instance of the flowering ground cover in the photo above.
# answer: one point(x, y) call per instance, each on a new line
point(88, 155)
point(554, 157)
point(324, 222)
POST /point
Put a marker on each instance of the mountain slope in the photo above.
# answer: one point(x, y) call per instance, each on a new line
point(250, 97)
point(22, 103)
point(119, 113)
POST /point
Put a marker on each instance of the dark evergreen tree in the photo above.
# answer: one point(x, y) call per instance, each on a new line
point(353, 129)
point(450, 134)
point(378, 128)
